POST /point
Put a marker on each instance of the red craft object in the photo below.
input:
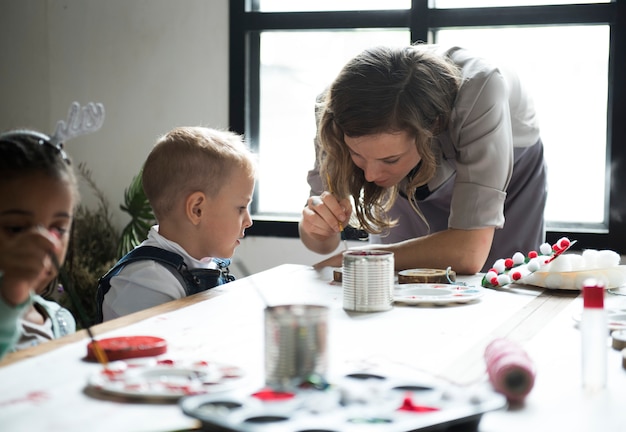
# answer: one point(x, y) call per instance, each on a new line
point(126, 347)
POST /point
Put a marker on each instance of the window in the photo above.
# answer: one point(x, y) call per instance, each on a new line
point(282, 58)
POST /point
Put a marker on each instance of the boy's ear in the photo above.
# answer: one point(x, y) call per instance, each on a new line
point(195, 207)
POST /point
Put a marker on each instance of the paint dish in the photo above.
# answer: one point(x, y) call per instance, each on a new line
point(358, 400)
point(165, 379)
point(436, 294)
point(616, 318)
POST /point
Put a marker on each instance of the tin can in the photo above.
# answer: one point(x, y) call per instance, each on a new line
point(367, 280)
point(295, 344)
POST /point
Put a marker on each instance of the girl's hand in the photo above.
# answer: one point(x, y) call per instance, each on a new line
point(25, 263)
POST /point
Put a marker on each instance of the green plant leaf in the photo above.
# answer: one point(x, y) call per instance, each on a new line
point(136, 204)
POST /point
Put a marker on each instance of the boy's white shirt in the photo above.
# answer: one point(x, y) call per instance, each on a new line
point(143, 284)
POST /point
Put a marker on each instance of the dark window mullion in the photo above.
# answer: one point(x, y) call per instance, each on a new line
point(420, 15)
point(616, 136)
point(237, 67)
point(523, 15)
point(326, 20)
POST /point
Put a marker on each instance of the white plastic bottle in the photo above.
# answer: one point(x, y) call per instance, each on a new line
point(594, 334)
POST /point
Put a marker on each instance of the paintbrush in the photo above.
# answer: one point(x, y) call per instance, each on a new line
point(341, 230)
point(67, 286)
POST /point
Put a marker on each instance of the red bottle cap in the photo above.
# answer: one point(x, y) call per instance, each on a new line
point(593, 294)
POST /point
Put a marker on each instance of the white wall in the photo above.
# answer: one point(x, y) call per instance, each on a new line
point(154, 64)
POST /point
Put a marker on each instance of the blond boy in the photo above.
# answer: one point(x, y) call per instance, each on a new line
point(199, 182)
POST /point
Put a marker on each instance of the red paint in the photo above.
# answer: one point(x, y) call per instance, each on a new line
point(113, 374)
point(408, 405)
point(34, 397)
point(267, 394)
point(133, 387)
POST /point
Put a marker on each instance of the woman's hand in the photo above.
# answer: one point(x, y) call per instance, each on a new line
point(333, 261)
point(323, 219)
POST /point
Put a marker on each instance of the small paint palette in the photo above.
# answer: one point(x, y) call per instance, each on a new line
point(436, 294)
point(354, 402)
point(165, 379)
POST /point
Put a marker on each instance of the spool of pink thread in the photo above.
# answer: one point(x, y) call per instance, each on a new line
point(511, 371)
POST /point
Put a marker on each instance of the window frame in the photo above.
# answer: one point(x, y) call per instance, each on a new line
point(246, 26)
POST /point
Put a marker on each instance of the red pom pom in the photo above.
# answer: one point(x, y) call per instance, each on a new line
point(508, 263)
point(533, 254)
point(564, 243)
point(556, 248)
point(516, 275)
point(494, 281)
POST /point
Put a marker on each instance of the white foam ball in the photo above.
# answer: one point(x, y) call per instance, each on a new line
point(561, 264)
point(545, 249)
point(518, 258)
point(504, 279)
point(576, 262)
point(607, 258)
point(499, 265)
point(534, 264)
point(590, 258)
point(519, 273)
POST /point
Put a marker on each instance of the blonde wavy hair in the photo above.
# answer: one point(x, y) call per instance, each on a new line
point(384, 90)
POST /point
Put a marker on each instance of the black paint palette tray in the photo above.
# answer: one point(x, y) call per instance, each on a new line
point(359, 401)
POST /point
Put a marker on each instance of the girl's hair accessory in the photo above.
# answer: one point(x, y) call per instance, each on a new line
point(80, 121)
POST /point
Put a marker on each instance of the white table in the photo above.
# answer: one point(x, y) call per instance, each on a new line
point(44, 388)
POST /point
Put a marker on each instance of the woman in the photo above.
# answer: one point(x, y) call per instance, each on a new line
point(439, 153)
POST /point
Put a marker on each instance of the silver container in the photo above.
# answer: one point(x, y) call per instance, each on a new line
point(295, 344)
point(367, 280)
